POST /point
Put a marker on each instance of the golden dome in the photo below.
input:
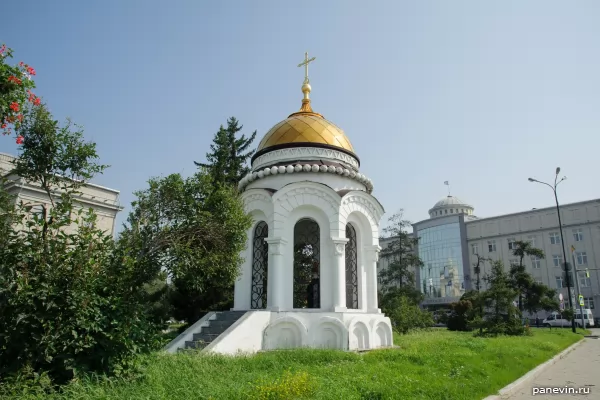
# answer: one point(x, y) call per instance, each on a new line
point(305, 128)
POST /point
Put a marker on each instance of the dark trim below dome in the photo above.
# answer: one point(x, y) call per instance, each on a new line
point(303, 144)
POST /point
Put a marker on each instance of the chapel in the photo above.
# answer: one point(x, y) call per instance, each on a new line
point(309, 276)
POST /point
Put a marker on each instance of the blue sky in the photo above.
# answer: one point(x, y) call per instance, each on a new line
point(482, 94)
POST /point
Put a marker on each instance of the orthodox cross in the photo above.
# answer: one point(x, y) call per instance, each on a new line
point(305, 64)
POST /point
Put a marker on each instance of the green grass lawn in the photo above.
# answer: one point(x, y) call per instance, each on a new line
point(435, 364)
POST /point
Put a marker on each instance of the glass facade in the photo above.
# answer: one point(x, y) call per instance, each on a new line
point(442, 274)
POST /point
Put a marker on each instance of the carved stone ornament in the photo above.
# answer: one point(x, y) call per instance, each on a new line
point(338, 245)
point(276, 245)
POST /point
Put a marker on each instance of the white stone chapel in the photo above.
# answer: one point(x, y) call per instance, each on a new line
point(309, 278)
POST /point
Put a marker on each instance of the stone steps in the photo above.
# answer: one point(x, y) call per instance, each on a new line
point(216, 326)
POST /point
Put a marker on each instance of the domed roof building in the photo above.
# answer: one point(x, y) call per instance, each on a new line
point(442, 248)
point(450, 205)
point(309, 276)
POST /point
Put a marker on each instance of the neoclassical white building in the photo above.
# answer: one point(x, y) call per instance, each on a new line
point(309, 278)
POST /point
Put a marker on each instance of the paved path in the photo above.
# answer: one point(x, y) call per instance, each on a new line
point(579, 369)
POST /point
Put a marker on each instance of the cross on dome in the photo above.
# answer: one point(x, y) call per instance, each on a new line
point(306, 85)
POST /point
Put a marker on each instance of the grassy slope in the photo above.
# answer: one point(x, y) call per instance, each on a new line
point(429, 365)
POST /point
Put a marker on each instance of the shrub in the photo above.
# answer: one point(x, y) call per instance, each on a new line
point(69, 299)
point(405, 315)
point(462, 313)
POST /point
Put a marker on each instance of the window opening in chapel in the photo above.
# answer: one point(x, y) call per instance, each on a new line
point(307, 272)
point(260, 262)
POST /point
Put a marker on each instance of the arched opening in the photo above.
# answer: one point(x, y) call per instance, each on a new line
point(260, 262)
point(351, 268)
point(307, 271)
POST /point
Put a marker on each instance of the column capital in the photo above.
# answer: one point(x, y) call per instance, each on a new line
point(375, 250)
point(338, 245)
point(276, 245)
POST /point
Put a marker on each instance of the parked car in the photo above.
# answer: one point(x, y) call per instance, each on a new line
point(588, 317)
point(557, 320)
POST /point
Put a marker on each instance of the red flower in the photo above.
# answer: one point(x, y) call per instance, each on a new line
point(20, 117)
point(3, 126)
point(30, 71)
point(21, 63)
point(19, 139)
point(14, 106)
point(14, 79)
point(37, 101)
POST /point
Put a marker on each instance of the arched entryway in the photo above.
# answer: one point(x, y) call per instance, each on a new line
point(351, 268)
point(260, 261)
point(307, 271)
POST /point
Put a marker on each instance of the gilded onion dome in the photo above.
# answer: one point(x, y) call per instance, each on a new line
point(305, 128)
point(306, 143)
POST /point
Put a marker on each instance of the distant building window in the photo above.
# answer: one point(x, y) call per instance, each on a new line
point(475, 248)
point(531, 240)
point(581, 258)
point(557, 260)
point(491, 246)
point(578, 235)
point(589, 302)
point(512, 245)
point(554, 238)
point(514, 262)
point(535, 262)
point(451, 211)
point(445, 211)
point(559, 282)
point(539, 281)
point(583, 280)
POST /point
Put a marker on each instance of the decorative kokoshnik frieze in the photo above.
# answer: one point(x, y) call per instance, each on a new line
point(300, 168)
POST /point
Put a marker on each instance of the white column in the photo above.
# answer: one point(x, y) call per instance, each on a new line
point(276, 289)
point(339, 274)
point(372, 257)
point(243, 285)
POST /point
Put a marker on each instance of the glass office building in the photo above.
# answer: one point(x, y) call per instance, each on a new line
point(442, 274)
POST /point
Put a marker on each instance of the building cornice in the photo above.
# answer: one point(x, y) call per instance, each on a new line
point(20, 185)
point(535, 210)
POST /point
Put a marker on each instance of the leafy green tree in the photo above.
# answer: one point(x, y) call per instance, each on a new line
point(67, 298)
point(227, 161)
point(194, 232)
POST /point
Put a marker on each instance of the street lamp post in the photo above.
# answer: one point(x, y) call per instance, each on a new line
point(562, 239)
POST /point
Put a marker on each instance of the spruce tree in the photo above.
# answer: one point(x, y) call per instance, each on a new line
point(227, 161)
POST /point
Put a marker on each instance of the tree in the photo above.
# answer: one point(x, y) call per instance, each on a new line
point(532, 296)
point(15, 90)
point(479, 302)
point(194, 232)
point(501, 316)
point(402, 260)
point(67, 298)
point(228, 157)
point(399, 296)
